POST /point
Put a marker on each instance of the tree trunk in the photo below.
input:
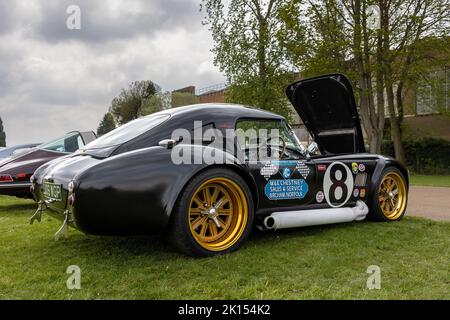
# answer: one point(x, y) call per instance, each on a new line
point(396, 133)
point(362, 63)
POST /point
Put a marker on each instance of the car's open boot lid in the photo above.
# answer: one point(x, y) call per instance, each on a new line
point(326, 105)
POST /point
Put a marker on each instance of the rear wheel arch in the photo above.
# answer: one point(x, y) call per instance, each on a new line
point(180, 234)
point(251, 184)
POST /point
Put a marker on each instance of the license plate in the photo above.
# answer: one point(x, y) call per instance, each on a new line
point(52, 190)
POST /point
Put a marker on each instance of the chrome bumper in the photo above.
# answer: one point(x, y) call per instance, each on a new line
point(14, 185)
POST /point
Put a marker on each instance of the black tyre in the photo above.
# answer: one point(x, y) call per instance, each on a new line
point(390, 197)
point(213, 215)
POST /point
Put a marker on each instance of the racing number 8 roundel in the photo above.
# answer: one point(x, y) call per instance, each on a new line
point(337, 184)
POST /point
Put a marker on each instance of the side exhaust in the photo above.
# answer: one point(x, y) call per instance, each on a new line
point(304, 218)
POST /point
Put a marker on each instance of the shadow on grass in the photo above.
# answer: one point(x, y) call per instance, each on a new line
point(258, 235)
point(156, 247)
point(17, 207)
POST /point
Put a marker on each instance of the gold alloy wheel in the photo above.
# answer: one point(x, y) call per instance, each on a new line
point(218, 214)
point(392, 195)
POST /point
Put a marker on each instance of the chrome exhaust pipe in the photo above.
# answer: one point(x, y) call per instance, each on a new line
point(304, 218)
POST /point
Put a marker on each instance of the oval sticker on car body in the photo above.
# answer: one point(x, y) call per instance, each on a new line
point(337, 184)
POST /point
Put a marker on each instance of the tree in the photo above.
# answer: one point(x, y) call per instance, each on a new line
point(127, 105)
point(2, 135)
point(183, 99)
point(404, 24)
point(106, 125)
point(157, 102)
point(247, 50)
point(379, 59)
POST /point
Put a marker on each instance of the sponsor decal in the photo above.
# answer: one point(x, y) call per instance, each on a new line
point(269, 170)
point(337, 184)
point(286, 167)
point(321, 167)
point(362, 193)
point(362, 167)
point(303, 169)
point(356, 193)
point(287, 173)
point(285, 189)
point(360, 180)
point(354, 167)
point(319, 197)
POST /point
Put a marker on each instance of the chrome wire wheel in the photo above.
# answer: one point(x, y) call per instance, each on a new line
point(392, 195)
point(218, 214)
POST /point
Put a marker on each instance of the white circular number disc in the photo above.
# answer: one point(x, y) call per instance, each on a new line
point(338, 192)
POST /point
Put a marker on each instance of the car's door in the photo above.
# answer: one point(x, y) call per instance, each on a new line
point(283, 182)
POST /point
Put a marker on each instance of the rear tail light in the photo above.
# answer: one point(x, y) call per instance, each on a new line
point(71, 187)
point(21, 176)
point(6, 178)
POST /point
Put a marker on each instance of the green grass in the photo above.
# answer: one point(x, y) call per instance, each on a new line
point(327, 262)
point(433, 181)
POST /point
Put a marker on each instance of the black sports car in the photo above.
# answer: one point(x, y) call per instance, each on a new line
point(207, 173)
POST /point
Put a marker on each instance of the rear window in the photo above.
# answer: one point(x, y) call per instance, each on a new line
point(128, 131)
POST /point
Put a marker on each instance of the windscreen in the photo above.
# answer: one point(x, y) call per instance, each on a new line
point(68, 143)
point(128, 131)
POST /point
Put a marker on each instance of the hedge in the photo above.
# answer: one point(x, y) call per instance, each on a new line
point(424, 156)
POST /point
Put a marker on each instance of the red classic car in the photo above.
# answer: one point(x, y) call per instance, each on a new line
point(15, 171)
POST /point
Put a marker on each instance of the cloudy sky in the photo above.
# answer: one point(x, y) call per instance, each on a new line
point(54, 79)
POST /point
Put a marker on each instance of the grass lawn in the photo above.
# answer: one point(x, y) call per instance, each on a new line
point(433, 181)
point(328, 262)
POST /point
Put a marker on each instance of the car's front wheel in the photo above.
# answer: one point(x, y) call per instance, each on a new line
point(213, 215)
point(390, 199)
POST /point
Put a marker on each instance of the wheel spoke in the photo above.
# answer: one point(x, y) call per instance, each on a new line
point(389, 185)
point(199, 221)
point(225, 212)
point(213, 229)
point(204, 228)
point(221, 222)
point(207, 195)
point(215, 195)
point(195, 211)
point(392, 203)
point(224, 202)
point(198, 201)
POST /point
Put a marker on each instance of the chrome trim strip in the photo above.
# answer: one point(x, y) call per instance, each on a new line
point(15, 185)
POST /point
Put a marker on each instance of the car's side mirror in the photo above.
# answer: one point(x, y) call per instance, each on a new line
point(312, 148)
point(169, 143)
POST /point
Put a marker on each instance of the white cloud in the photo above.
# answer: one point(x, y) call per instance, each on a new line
point(53, 80)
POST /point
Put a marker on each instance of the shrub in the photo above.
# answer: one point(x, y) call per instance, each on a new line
point(424, 156)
